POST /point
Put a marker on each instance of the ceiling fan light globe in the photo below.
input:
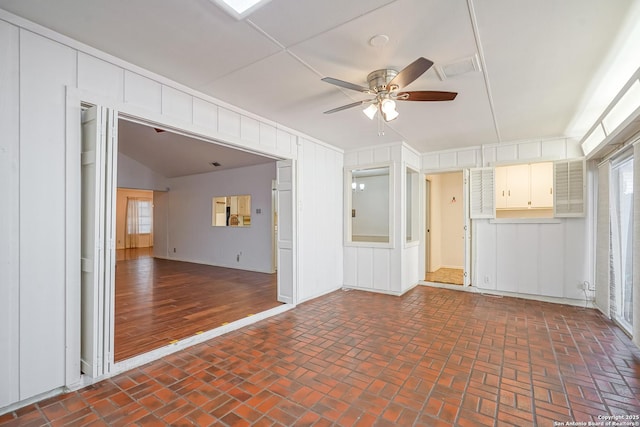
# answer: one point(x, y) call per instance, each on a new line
point(390, 115)
point(388, 106)
point(370, 111)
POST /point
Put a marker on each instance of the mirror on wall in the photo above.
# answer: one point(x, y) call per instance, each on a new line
point(231, 211)
point(369, 194)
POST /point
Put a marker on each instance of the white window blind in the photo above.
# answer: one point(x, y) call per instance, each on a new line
point(569, 185)
point(481, 187)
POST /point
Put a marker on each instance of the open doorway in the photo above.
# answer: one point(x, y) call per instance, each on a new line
point(183, 274)
point(181, 271)
point(445, 228)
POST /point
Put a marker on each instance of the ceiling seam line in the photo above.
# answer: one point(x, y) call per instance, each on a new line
point(485, 72)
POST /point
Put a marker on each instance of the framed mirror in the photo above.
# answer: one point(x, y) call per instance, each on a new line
point(231, 211)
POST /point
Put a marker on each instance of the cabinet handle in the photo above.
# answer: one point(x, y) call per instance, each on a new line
point(551, 190)
point(509, 193)
point(502, 193)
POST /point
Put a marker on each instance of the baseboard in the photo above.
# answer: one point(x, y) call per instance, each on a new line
point(496, 293)
point(233, 266)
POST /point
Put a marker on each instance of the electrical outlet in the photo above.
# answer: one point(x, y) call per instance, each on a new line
point(487, 280)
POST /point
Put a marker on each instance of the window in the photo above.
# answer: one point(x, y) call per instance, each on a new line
point(412, 196)
point(367, 197)
point(139, 216)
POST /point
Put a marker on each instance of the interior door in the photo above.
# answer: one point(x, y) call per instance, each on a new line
point(466, 279)
point(285, 193)
point(98, 176)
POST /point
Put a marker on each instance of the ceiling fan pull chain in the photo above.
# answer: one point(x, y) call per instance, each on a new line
point(380, 125)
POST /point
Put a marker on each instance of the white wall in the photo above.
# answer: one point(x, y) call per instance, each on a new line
point(320, 219)
point(133, 174)
point(45, 76)
point(189, 228)
point(544, 259)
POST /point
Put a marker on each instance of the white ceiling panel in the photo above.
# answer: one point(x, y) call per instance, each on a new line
point(293, 21)
point(540, 58)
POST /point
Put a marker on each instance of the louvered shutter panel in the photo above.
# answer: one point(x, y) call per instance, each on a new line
point(569, 185)
point(482, 189)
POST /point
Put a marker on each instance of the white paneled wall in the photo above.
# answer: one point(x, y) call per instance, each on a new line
point(545, 259)
point(42, 72)
point(9, 214)
point(320, 219)
point(394, 269)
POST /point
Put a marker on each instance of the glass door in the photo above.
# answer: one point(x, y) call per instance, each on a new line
point(622, 243)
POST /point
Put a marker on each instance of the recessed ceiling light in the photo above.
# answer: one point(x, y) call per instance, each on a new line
point(240, 9)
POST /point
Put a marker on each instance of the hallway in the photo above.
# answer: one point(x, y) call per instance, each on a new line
point(431, 357)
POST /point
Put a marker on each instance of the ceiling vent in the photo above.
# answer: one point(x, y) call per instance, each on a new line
point(215, 164)
point(462, 66)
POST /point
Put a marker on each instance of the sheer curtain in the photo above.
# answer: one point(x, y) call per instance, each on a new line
point(138, 222)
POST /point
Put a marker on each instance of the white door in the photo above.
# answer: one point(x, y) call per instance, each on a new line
point(96, 238)
point(466, 280)
point(285, 193)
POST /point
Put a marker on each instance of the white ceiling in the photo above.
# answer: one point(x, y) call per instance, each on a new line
point(540, 59)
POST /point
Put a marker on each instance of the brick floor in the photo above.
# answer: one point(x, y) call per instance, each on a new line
point(433, 357)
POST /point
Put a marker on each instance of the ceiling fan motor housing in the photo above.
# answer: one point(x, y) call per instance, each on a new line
point(379, 79)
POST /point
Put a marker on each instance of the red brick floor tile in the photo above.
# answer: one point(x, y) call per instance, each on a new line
point(432, 357)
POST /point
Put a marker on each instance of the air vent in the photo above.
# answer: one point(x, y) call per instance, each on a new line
point(457, 68)
point(215, 164)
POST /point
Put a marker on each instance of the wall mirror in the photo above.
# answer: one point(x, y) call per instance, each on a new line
point(368, 192)
point(231, 211)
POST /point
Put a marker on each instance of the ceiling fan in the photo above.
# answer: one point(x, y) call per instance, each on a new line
point(385, 85)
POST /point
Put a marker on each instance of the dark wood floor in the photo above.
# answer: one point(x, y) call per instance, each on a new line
point(159, 301)
point(432, 357)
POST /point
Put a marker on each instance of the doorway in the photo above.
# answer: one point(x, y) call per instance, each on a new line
point(445, 228)
point(98, 306)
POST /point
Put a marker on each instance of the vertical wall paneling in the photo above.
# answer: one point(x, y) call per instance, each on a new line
point(381, 273)
point(365, 267)
point(448, 160)
point(142, 92)
point(267, 136)
point(228, 122)
point(100, 77)
point(507, 153)
point(507, 271)
point(576, 257)
point(205, 114)
point(527, 251)
point(177, 104)
point(42, 227)
point(285, 142)
point(529, 150)
point(320, 220)
point(484, 251)
point(367, 156)
point(554, 149)
point(250, 130)
point(9, 213)
point(550, 263)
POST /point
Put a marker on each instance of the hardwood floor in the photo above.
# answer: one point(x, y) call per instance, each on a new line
point(158, 301)
point(452, 276)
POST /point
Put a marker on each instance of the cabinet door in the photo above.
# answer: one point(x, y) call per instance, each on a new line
point(501, 187)
point(542, 185)
point(243, 205)
point(518, 187)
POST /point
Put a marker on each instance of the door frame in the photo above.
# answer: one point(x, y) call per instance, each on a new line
point(466, 222)
point(75, 100)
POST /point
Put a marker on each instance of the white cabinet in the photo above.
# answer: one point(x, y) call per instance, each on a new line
point(527, 186)
point(541, 185)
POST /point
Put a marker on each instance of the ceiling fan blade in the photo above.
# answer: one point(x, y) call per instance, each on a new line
point(346, 85)
point(344, 107)
point(426, 95)
point(410, 73)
